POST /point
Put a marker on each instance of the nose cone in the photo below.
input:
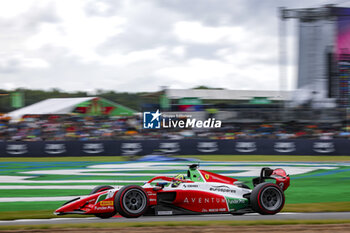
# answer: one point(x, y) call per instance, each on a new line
point(69, 206)
point(63, 209)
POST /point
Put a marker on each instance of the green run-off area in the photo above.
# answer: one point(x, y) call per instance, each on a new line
point(25, 186)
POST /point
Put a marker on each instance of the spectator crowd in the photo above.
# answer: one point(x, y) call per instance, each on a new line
point(64, 127)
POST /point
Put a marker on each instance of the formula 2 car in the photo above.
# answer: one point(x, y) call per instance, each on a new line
point(202, 192)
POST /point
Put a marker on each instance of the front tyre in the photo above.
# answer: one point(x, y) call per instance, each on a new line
point(131, 201)
point(267, 198)
point(100, 189)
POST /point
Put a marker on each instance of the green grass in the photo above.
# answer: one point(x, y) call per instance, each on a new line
point(184, 223)
point(42, 193)
point(322, 190)
point(320, 186)
point(20, 206)
point(318, 207)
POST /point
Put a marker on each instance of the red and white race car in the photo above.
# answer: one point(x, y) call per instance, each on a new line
point(202, 192)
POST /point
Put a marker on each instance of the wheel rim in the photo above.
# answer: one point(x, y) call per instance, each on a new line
point(271, 198)
point(134, 201)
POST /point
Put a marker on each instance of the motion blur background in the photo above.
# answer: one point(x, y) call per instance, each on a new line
point(264, 70)
point(76, 77)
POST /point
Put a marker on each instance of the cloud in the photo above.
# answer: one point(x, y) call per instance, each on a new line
point(18, 62)
point(76, 32)
point(195, 32)
point(132, 45)
point(220, 74)
point(147, 26)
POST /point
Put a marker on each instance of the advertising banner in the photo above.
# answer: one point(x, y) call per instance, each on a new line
point(175, 147)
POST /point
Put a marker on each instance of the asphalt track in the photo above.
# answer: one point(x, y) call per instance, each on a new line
point(180, 218)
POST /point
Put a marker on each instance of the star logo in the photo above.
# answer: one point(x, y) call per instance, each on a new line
point(156, 115)
point(151, 120)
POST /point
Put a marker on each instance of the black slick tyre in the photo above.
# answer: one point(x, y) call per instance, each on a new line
point(131, 201)
point(267, 198)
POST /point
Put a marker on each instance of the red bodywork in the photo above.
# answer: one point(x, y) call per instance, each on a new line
point(212, 177)
point(88, 205)
point(281, 177)
point(192, 200)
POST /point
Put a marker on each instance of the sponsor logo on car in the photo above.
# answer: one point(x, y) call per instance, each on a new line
point(104, 207)
point(190, 186)
point(218, 210)
point(106, 203)
point(222, 188)
point(200, 200)
point(236, 201)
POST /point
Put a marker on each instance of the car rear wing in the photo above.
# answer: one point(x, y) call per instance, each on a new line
point(279, 175)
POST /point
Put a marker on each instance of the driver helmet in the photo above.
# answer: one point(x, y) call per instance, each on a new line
point(178, 182)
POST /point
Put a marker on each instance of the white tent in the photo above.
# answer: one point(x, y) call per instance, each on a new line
point(49, 106)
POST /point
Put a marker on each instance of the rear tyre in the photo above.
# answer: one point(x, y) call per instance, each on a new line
point(267, 199)
point(100, 189)
point(131, 201)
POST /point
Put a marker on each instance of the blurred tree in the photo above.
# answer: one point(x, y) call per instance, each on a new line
point(131, 100)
